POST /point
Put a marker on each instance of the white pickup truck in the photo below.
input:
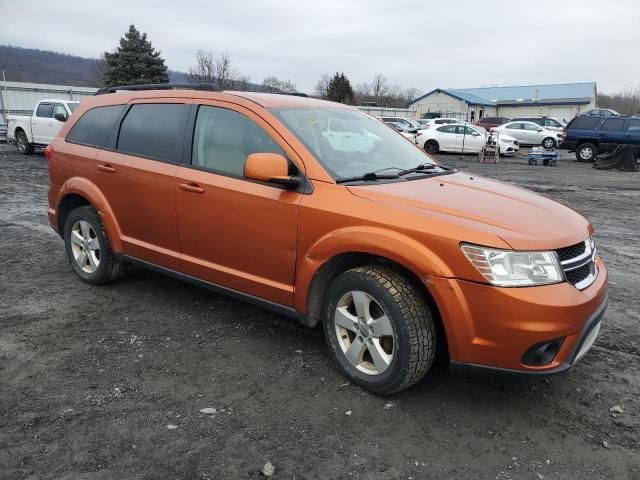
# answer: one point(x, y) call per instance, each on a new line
point(41, 127)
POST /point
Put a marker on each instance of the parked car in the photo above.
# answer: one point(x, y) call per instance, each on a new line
point(41, 127)
point(452, 138)
point(599, 112)
point(588, 135)
point(389, 250)
point(529, 133)
point(491, 122)
point(401, 120)
point(406, 132)
point(434, 122)
point(549, 123)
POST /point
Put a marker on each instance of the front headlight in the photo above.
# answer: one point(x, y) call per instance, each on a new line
point(510, 268)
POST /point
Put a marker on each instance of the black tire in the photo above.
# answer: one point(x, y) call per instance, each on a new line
point(23, 145)
point(431, 146)
point(548, 143)
point(109, 268)
point(587, 152)
point(414, 333)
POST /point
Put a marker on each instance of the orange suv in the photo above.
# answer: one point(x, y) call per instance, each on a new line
point(321, 212)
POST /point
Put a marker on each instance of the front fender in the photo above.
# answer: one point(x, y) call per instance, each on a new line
point(391, 245)
point(88, 190)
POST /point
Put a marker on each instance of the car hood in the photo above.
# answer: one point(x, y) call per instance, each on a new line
point(519, 217)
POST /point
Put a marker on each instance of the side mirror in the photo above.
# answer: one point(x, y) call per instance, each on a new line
point(538, 129)
point(270, 167)
point(61, 117)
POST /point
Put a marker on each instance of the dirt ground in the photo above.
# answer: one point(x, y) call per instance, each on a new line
point(93, 380)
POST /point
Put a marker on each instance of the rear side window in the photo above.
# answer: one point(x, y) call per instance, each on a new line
point(154, 130)
point(584, 123)
point(94, 126)
point(45, 110)
point(634, 125)
point(612, 125)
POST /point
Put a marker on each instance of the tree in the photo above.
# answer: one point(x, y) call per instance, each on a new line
point(134, 62)
point(322, 86)
point(379, 87)
point(216, 70)
point(339, 89)
point(275, 85)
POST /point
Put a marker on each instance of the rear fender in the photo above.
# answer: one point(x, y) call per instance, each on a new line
point(89, 191)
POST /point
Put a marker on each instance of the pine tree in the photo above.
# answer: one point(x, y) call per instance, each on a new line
point(339, 89)
point(134, 62)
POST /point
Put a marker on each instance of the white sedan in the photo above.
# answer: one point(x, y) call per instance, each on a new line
point(450, 138)
point(530, 133)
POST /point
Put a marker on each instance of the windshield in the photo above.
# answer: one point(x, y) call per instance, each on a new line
point(72, 106)
point(349, 142)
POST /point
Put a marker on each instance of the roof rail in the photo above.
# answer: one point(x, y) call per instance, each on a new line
point(159, 86)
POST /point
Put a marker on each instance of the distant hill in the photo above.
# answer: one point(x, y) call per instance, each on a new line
point(42, 66)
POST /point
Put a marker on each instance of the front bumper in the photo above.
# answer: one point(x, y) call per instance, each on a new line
point(490, 328)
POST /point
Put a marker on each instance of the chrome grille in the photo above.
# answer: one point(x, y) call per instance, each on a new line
point(579, 263)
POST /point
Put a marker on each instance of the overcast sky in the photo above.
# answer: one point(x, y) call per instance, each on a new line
point(426, 44)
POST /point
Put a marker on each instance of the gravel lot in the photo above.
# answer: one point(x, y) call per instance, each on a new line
point(93, 378)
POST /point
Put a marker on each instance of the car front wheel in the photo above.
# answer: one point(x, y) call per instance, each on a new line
point(379, 329)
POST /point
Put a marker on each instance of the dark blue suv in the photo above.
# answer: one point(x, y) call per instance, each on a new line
point(588, 135)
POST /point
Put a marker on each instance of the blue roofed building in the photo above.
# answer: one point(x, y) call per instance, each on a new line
point(562, 101)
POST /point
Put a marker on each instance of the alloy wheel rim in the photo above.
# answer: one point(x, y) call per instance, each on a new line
point(548, 143)
point(364, 332)
point(21, 144)
point(586, 153)
point(85, 246)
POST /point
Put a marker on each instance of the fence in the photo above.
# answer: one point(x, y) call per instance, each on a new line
point(19, 98)
point(389, 112)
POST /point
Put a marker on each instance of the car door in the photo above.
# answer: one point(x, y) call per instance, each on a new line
point(53, 126)
point(41, 122)
point(612, 130)
point(136, 174)
point(533, 133)
point(446, 137)
point(234, 232)
point(516, 130)
point(473, 140)
point(633, 131)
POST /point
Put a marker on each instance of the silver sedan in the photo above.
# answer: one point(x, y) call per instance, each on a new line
point(529, 133)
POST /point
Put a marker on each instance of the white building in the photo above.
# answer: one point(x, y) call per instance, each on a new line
point(562, 101)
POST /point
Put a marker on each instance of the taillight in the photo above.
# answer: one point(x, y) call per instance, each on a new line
point(48, 152)
point(564, 135)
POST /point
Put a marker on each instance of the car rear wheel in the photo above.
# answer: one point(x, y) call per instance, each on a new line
point(586, 152)
point(548, 143)
point(431, 146)
point(379, 329)
point(22, 144)
point(88, 247)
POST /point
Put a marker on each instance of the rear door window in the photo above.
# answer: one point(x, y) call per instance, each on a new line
point(584, 123)
point(515, 126)
point(45, 110)
point(634, 125)
point(94, 126)
point(447, 129)
point(154, 130)
point(612, 125)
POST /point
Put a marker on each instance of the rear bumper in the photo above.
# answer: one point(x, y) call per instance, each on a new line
point(490, 328)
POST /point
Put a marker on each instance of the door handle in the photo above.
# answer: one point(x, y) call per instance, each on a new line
point(191, 187)
point(106, 168)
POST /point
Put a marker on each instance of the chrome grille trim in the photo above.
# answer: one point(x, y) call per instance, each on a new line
point(588, 257)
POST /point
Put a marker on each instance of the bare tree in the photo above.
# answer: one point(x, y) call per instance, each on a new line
point(379, 87)
point(224, 71)
point(275, 85)
point(410, 94)
point(322, 86)
point(626, 102)
point(217, 70)
point(243, 82)
point(204, 69)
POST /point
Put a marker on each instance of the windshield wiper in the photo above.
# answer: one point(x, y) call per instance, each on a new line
point(367, 176)
point(422, 167)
